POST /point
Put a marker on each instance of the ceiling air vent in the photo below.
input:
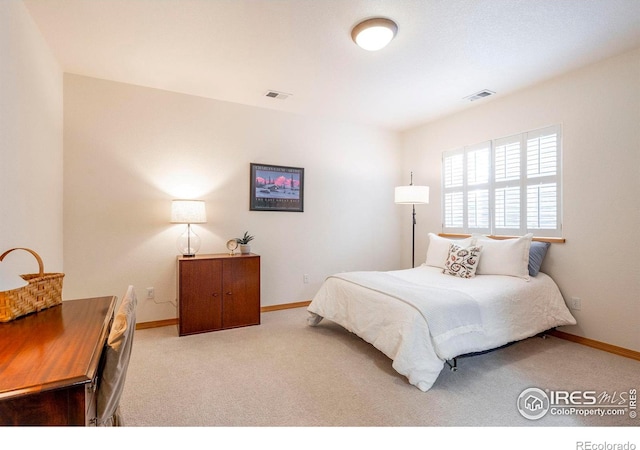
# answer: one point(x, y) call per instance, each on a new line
point(482, 94)
point(276, 94)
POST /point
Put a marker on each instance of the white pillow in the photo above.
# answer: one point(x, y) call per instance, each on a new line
point(504, 257)
point(438, 250)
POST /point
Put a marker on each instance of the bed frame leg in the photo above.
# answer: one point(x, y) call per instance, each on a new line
point(453, 364)
point(313, 319)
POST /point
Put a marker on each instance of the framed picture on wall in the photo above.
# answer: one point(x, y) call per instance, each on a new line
point(276, 188)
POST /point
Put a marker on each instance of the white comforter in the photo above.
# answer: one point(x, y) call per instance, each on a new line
point(395, 322)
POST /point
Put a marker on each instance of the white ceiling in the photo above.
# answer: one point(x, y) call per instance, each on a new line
point(236, 50)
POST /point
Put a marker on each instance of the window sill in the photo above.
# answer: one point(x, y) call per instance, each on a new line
point(552, 240)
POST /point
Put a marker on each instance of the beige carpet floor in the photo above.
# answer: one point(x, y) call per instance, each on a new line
point(284, 373)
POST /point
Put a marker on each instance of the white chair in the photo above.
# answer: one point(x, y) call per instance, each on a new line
point(116, 362)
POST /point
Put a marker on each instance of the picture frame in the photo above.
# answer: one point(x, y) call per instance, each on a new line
point(276, 188)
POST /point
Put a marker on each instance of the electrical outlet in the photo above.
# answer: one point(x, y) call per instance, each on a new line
point(576, 303)
point(151, 292)
point(305, 278)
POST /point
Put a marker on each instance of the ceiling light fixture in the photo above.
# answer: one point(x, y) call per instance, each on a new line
point(374, 34)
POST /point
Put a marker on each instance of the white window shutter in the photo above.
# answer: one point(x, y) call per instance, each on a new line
point(510, 185)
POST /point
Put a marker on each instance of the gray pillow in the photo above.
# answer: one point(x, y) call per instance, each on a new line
point(537, 252)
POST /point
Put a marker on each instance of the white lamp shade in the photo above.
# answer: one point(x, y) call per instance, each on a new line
point(412, 194)
point(188, 211)
point(10, 281)
point(374, 34)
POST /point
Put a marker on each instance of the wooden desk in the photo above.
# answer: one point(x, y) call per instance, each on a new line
point(49, 363)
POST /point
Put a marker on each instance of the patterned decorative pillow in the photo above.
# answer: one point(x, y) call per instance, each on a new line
point(462, 262)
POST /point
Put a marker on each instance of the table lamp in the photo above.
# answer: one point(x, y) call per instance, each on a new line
point(188, 211)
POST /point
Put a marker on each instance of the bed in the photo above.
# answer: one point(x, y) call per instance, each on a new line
point(425, 317)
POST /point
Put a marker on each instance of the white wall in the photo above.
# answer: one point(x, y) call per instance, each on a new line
point(599, 109)
point(130, 150)
point(30, 143)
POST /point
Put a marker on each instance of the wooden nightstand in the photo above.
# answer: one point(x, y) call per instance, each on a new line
point(218, 291)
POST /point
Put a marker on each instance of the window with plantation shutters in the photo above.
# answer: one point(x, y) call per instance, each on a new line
point(453, 182)
point(507, 186)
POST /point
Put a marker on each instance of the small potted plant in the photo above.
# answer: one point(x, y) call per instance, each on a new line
point(245, 248)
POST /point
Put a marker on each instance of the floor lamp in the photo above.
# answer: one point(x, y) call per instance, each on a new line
point(413, 195)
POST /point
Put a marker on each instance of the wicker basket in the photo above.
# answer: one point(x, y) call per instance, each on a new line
point(43, 291)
